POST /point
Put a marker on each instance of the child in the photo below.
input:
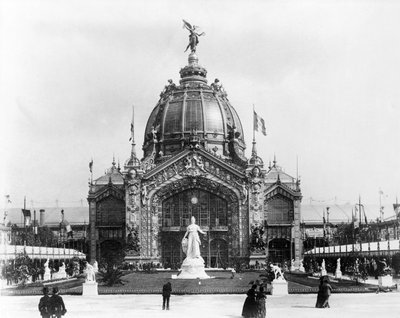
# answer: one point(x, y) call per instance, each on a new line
point(44, 304)
point(57, 306)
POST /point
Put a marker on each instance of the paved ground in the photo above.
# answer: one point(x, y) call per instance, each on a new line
point(205, 306)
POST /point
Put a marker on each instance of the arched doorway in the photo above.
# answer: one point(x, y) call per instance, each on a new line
point(279, 250)
point(211, 213)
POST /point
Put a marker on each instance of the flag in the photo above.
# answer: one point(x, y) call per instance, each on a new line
point(8, 198)
point(67, 226)
point(132, 127)
point(356, 222)
point(27, 216)
point(259, 124)
point(90, 167)
point(396, 207)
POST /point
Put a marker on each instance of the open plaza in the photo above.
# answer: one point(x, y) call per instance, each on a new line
point(104, 306)
point(248, 195)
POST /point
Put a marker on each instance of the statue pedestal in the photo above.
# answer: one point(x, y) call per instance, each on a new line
point(89, 289)
point(338, 274)
point(279, 287)
point(385, 281)
point(257, 258)
point(192, 268)
point(323, 272)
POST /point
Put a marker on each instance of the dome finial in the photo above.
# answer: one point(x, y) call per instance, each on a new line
point(113, 162)
point(274, 160)
point(193, 36)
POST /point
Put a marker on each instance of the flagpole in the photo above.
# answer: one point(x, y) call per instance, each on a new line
point(24, 219)
point(91, 173)
point(254, 128)
point(359, 208)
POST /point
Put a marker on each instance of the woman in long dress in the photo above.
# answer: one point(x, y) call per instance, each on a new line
point(250, 309)
point(193, 240)
point(261, 298)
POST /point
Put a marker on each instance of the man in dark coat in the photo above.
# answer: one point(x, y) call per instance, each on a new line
point(44, 304)
point(166, 294)
point(57, 306)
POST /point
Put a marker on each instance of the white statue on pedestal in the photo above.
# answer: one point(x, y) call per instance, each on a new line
point(61, 271)
point(277, 272)
point(338, 273)
point(90, 274)
point(47, 273)
point(301, 268)
point(323, 269)
point(191, 241)
point(292, 268)
point(193, 265)
point(96, 267)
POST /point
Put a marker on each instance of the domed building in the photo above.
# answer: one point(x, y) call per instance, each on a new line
point(194, 164)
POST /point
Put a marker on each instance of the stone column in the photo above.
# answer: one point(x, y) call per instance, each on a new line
point(93, 230)
point(298, 248)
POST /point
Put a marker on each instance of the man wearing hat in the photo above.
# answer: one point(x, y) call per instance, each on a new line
point(57, 306)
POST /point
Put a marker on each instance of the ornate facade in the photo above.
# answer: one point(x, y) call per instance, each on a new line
point(194, 164)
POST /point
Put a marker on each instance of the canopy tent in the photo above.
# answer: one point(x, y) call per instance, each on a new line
point(9, 252)
point(391, 246)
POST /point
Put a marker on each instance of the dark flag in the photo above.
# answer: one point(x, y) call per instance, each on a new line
point(132, 125)
point(27, 216)
point(396, 207)
point(259, 124)
point(90, 166)
point(66, 225)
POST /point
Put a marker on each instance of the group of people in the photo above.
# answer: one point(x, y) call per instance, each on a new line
point(254, 305)
point(51, 306)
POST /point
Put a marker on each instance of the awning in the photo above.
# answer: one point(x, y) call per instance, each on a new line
point(8, 252)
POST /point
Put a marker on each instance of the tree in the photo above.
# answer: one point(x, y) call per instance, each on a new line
point(344, 234)
point(23, 268)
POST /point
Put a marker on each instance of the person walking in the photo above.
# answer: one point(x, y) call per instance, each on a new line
point(326, 292)
point(44, 303)
point(57, 307)
point(261, 298)
point(166, 293)
point(250, 305)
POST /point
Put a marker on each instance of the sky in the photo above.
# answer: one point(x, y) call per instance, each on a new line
point(324, 75)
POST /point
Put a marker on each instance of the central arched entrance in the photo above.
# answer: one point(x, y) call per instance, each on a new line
point(211, 213)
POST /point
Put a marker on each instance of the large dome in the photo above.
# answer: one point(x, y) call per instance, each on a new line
point(194, 111)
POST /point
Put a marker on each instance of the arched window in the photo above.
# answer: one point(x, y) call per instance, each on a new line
point(279, 210)
point(208, 209)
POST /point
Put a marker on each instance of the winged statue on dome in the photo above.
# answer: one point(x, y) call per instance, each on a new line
point(193, 36)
